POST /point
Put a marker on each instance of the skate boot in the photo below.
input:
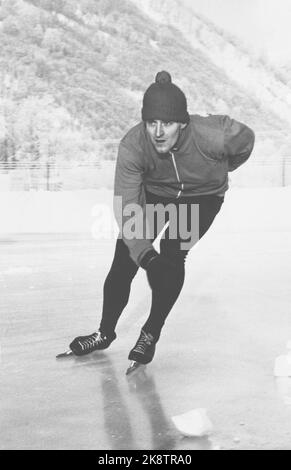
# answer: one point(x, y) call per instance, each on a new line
point(143, 352)
point(86, 344)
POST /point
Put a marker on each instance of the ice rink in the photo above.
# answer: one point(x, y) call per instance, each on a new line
point(217, 350)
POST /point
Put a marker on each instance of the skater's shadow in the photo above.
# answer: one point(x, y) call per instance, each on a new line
point(116, 416)
point(113, 415)
point(163, 435)
point(125, 425)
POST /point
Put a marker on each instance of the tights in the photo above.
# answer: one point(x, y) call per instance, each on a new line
point(118, 281)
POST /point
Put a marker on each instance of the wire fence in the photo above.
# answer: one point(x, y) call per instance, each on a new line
point(52, 176)
point(70, 176)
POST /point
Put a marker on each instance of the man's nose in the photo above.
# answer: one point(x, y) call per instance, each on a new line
point(159, 129)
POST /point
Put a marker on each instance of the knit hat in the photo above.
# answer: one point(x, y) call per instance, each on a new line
point(165, 101)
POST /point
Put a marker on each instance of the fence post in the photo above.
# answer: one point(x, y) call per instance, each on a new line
point(283, 171)
point(47, 176)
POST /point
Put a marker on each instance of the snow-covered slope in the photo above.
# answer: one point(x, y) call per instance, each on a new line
point(264, 82)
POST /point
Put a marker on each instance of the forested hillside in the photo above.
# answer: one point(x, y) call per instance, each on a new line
point(72, 75)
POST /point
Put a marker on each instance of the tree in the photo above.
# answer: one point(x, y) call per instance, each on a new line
point(11, 26)
point(52, 40)
point(36, 34)
point(7, 149)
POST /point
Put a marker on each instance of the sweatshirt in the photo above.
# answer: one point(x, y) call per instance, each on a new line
point(207, 149)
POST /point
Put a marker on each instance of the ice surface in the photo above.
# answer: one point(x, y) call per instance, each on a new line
point(262, 209)
point(217, 349)
point(282, 366)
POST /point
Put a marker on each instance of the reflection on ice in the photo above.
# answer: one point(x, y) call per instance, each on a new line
point(133, 414)
point(162, 434)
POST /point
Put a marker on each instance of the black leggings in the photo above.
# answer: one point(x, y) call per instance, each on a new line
point(117, 284)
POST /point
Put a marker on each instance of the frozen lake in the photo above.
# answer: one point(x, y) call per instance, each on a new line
point(217, 350)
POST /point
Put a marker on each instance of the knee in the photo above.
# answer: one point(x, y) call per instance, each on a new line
point(122, 274)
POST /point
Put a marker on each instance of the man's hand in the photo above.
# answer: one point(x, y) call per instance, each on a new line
point(160, 270)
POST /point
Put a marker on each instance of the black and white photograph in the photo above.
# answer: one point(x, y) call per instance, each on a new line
point(145, 228)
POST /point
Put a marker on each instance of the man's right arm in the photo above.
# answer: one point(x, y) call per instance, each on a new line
point(130, 202)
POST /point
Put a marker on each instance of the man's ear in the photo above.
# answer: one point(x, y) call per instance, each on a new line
point(183, 126)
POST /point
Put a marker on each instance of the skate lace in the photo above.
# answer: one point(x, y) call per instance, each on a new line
point(91, 341)
point(143, 343)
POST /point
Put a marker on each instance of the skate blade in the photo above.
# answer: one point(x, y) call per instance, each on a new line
point(65, 354)
point(134, 367)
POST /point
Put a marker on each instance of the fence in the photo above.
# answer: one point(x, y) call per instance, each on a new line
point(263, 172)
point(258, 172)
point(56, 177)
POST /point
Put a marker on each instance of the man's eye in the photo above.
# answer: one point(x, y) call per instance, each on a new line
point(169, 123)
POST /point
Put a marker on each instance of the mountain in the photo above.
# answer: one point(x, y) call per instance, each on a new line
point(268, 85)
point(72, 76)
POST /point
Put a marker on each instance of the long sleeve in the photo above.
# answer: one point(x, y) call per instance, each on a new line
point(239, 142)
point(130, 202)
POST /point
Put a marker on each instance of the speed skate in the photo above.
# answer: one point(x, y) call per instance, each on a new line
point(67, 353)
point(134, 366)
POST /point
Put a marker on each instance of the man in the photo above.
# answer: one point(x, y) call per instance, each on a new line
point(170, 158)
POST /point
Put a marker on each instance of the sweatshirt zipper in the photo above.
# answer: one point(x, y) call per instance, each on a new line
point(177, 174)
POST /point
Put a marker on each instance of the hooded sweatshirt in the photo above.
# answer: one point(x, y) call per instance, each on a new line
point(207, 149)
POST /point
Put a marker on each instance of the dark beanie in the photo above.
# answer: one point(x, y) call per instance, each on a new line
point(165, 101)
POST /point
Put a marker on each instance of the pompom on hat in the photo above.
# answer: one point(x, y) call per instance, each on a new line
point(165, 101)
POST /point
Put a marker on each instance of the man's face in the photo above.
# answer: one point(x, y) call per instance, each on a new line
point(164, 135)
